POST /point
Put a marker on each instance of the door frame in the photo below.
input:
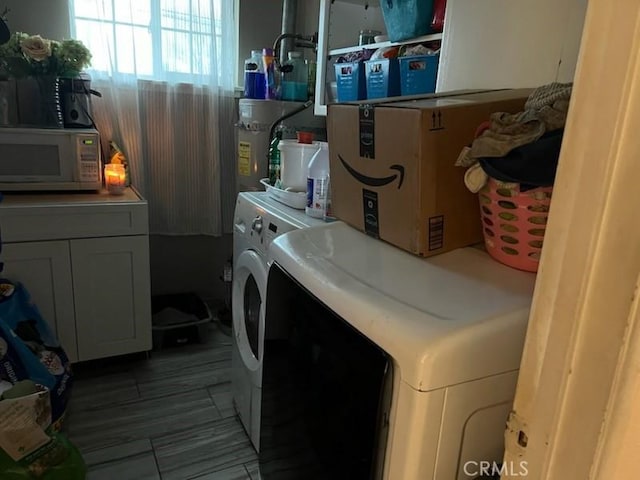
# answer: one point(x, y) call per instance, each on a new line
point(573, 414)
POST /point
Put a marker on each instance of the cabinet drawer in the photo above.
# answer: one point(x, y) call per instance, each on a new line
point(21, 224)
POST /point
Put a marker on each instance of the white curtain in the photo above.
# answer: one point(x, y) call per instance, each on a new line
point(166, 72)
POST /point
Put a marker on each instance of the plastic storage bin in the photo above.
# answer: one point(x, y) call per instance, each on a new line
point(514, 223)
point(383, 78)
point(406, 19)
point(418, 74)
point(350, 79)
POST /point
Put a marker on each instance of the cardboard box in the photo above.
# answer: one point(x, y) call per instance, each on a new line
point(392, 167)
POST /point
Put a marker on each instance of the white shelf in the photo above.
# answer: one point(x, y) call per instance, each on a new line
point(375, 46)
point(371, 3)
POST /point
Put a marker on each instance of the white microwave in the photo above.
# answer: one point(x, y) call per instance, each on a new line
point(49, 159)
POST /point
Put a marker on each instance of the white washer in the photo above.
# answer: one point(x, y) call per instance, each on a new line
point(258, 220)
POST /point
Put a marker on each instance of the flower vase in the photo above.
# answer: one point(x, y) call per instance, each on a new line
point(38, 99)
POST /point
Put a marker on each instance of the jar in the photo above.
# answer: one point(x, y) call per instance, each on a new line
point(368, 36)
point(114, 178)
point(295, 79)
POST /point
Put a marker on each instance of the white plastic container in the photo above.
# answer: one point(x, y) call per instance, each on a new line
point(294, 163)
point(318, 192)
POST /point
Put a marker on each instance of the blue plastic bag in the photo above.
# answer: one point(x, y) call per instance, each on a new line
point(407, 19)
point(30, 350)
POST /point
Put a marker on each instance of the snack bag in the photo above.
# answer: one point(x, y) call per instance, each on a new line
point(30, 351)
point(30, 448)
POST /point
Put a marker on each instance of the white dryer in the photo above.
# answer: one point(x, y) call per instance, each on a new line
point(258, 220)
point(379, 364)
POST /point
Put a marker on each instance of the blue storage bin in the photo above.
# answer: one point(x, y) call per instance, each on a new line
point(383, 78)
point(350, 80)
point(406, 19)
point(418, 74)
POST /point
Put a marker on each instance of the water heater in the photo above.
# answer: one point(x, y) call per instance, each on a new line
point(255, 120)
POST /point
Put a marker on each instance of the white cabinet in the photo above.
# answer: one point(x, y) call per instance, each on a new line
point(111, 295)
point(85, 260)
point(45, 269)
point(485, 43)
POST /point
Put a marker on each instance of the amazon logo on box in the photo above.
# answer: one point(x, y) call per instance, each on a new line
point(393, 172)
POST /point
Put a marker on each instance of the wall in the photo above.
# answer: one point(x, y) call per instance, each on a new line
point(189, 264)
point(260, 24)
point(307, 19)
point(50, 21)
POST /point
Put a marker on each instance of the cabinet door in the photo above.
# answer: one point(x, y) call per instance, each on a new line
point(44, 268)
point(112, 295)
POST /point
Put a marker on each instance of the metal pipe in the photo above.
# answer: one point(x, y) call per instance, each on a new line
point(284, 117)
point(303, 41)
point(289, 14)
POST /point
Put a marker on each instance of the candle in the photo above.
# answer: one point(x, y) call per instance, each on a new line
point(114, 178)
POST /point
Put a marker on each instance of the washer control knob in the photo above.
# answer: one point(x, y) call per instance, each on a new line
point(256, 225)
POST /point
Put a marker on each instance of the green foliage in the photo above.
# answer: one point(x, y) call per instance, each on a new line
point(31, 55)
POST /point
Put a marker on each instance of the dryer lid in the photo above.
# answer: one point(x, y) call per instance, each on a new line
point(444, 320)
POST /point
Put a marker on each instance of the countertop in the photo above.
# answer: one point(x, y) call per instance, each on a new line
point(48, 199)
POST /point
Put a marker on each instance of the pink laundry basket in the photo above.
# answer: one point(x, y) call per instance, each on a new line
point(514, 223)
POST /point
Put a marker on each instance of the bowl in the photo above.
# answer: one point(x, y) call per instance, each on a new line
point(381, 38)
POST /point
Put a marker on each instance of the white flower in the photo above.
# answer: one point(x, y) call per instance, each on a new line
point(36, 47)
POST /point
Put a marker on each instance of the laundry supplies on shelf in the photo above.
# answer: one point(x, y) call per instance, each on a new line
point(254, 76)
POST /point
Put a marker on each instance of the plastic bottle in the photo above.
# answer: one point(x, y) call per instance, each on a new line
point(311, 78)
point(254, 78)
point(318, 192)
point(269, 73)
point(274, 158)
point(295, 79)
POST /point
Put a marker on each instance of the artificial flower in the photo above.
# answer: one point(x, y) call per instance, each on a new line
point(36, 48)
point(31, 55)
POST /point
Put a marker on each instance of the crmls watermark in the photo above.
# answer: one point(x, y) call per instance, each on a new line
point(512, 469)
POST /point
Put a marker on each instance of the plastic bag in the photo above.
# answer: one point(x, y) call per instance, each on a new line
point(29, 350)
point(30, 448)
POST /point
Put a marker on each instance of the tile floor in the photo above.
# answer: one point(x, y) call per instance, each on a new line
point(169, 417)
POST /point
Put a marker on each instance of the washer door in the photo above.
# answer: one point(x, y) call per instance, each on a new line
point(248, 303)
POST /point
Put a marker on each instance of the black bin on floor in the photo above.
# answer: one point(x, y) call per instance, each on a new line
point(179, 319)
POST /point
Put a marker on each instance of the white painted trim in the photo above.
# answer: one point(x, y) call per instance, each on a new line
point(620, 442)
point(589, 269)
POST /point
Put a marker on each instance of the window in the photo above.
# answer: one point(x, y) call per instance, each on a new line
point(177, 40)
